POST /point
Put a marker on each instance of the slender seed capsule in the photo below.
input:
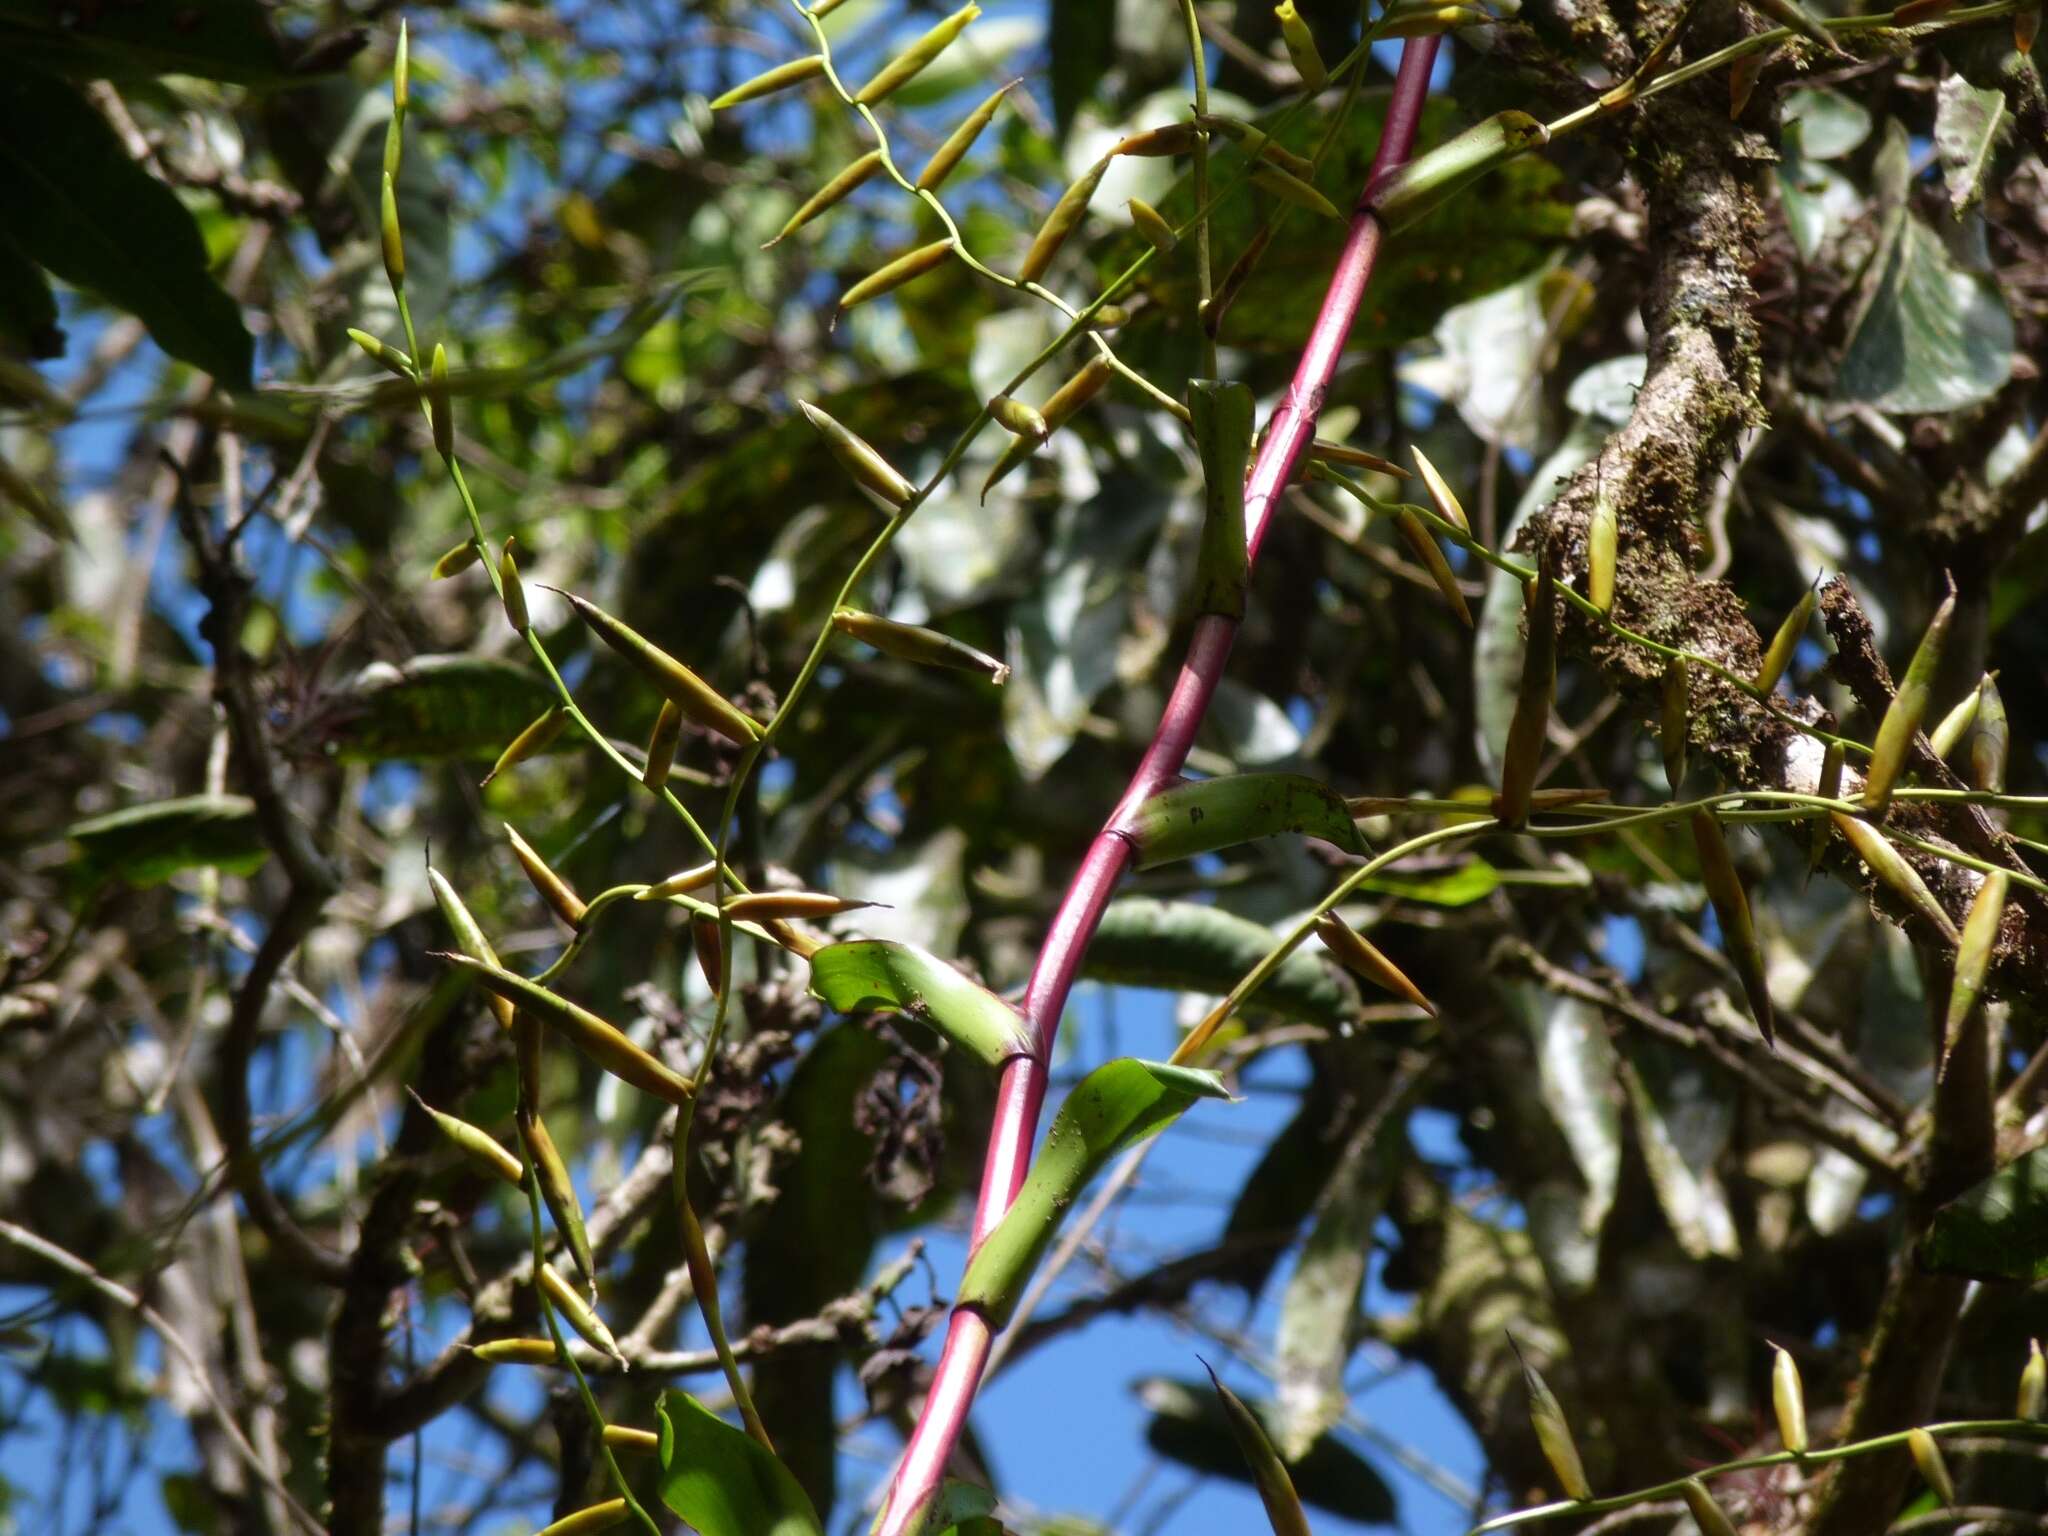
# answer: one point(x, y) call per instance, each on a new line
point(1973, 959)
point(1989, 743)
point(559, 895)
point(595, 1517)
point(622, 1437)
point(894, 274)
point(661, 746)
point(949, 154)
point(1788, 1401)
point(474, 1141)
point(1524, 751)
point(1018, 419)
point(1355, 952)
point(1902, 720)
point(834, 192)
point(1441, 496)
point(762, 905)
point(1301, 46)
point(710, 951)
point(1890, 866)
point(1256, 144)
point(1324, 451)
point(578, 1313)
point(517, 1352)
point(1553, 1432)
point(1955, 725)
point(908, 64)
point(1709, 1516)
point(1057, 410)
point(1829, 788)
point(1064, 219)
point(1784, 643)
point(681, 883)
point(1731, 909)
point(383, 352)
point(1674, 721)
point(537, 737)
point(870, 471)
point(388, 233)
point(401, 70)
point(1742, 78)
point(2026, 26)
point(601, 1042)
point(1928, 1458)
point(1405, 194)
point(911, 642)
point(440, 407)
point(780, 78)
point(1213, 314)
point(1150, 223)
point(455, 561)
point(514, 589)
point(1269, 1475)
point(1431, 554)
point(468, 934)
point(1290, 188)
point(2033, 1398)
point(558, 1190)
point(695, 697)
point(1168, 139)
point(1603, 550)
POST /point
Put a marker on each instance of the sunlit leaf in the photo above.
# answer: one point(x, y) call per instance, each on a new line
point(879, 973)
point(723, 1481)
point(1968, 123)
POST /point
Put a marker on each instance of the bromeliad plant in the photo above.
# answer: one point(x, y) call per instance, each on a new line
point(1573, 582)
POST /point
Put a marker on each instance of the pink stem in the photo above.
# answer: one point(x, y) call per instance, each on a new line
point(1021, 1092)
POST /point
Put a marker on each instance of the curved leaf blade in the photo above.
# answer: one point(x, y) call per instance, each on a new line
point(721, 1481)
point(864, 975)
point(1204, 815)
point(147, 844)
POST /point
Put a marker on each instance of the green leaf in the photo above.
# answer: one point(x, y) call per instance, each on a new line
point(1575, 1065)
point(433, 707)
point(1819, 202)
point(28, 310)
point(1188, 1425)
point(147, 844)
point(1185, 946)
point(1997, 1230)
point(1968, 122)
point(868, 974)
point(1116, 1106)
point(1269, 1473)
point(955, 1508)
point(218, 40)
point(1086, 30)
point(1202, 815)
point(1683, 1120)
point(1830, 123)
point(80, 207)
point(722, 1481)
point(1473, 880)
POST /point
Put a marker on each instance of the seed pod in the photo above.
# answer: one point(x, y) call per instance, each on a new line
point(558, 1190)
point(514, 589)
point(1269, 1475)
point(960, 140)
point(1408, 192)
point(2033, 1396)
point(1779, 655)
point(440, 407)
point(1553, 1433)
point(1441, 496)
point(560, 896)
point(870, 471)
point(537, 737)
point(710, 952)
point(1222, 416)
point(1954, 725)
point(1256, 144)
point(1405, 18)
point(661, 746)
point(1603, 550)
point(595, 1517)
point(911, 642)
point(388, 233)
point(479, 1144)
point(1524, 751)
point(1706, 1514)
point(1301, 46)
point(1789, 13)
point(680, 884)
point(455, 561)
point(1170, 139)
point(834, 192)
point(894, 274)
point(780, 78)
point(526, 1059)
point(1988, 744)
point(1109, 316)
point(382, 352)
point(908, 64)
point(1355, 952)
point(1742, 78)
point(1064, 402)
point(578, 1313)
point(1902, 719)
point(1674, 721)
point(1973, 959)
point(1928, 1458)
point(601, 1042)
point(1064, 219)
point(1018, 419)
point(1890, 866)
point(760, 905)
point(1290, 188)
point(1788, 1401)
point(517, 1352)
point(621, 1437)
point(693, 696)
point(1731, 909)
point(1829, 788)
point(1148, 222)
point(1427, 550)
point(468, 934)
point(401, 71)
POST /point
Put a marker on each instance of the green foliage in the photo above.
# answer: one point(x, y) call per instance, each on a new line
point(1997, 1230)
point(724, 1482)
point(147, 844)
point(875, 973)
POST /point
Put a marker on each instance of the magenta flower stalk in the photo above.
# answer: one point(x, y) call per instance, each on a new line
point(1021, 1092)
